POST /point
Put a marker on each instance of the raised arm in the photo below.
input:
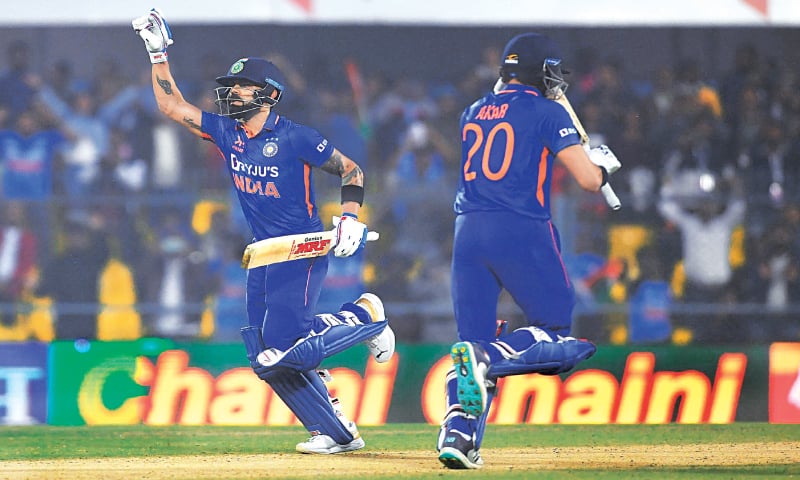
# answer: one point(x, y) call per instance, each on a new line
point(171, 102)
point(157, 36)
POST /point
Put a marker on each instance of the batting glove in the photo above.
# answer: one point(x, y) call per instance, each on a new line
point(351, 235)
point(155, 32)
point(602, 156)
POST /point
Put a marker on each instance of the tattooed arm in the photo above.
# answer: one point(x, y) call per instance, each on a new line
point(171, 102)
point(352, 180)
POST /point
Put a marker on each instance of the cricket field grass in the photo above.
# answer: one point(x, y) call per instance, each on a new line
point(735, 451)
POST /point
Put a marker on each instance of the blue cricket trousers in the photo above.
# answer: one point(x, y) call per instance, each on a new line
point(496, 250)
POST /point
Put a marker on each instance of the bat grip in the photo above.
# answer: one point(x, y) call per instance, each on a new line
point(611, 198)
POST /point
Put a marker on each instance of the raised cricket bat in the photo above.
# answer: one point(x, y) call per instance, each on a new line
point(291, 247)
point(608, 193)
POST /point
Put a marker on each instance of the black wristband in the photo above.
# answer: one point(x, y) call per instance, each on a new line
point(605, 175)
point(353, 193)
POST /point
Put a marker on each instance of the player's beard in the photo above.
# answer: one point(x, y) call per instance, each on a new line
point(241, 109)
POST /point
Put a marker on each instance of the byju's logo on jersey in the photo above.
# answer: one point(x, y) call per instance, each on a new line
point(270, 149)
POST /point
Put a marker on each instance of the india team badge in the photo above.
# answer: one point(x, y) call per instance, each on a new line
point(238, 66)
point(270, 149)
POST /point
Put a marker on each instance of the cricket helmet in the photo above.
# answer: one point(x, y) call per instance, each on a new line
point(534, 59)
point(249, 71)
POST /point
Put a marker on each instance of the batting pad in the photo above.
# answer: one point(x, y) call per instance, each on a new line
point(307, 397)
point(460, 420)
point(546, 358)
point(309, 352)
point(303, 392)
point(253, 343)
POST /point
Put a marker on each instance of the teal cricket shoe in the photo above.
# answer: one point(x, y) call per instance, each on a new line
point(471, 364)
point(457, 450)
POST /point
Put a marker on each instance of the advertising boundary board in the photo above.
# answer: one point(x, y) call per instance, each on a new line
point(160, 382)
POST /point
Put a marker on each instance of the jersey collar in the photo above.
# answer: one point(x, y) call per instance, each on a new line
point(269, 124)
point(272, 121)
point(518, 87)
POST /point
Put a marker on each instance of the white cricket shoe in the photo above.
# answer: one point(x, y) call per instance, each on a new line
point(381, 346)
point(325, 445)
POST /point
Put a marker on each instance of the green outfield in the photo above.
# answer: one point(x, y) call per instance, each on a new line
point(740, 450)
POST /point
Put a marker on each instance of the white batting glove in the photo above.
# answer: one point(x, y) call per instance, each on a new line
point(351, 235)
point(155, 32)
point(602, 156)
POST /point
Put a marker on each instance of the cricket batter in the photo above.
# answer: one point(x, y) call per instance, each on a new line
point(504, 239)
point(270, 160)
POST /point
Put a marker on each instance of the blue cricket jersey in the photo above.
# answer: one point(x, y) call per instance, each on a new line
point(271, 172)
point(26, 163)
point(509, 142)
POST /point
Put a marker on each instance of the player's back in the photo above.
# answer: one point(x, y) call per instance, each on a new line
point(507, 141)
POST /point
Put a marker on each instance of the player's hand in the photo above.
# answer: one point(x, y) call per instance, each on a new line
point(155, 32)
point(602, 156)
point(351, 235)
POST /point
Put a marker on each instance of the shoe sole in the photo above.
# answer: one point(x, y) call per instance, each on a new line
point(471, 382)
point(356, 444)
point(455, 460)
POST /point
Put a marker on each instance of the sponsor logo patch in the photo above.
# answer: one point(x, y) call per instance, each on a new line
point(566, 131)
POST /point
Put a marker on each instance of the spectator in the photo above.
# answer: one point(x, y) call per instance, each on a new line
point(772, 171)
point(174, 280)
point(480, 78)
point(29, 153)
point(71, 278)
point(63, 81)
point(745, 74)
point(18, 257)
point(778, 268)
point(28, 159)
point(123, 171)
point(420, 181)
point(16, 89)
point(650, 301)
point(87, 126)
point(230, 312)
point(706, 219)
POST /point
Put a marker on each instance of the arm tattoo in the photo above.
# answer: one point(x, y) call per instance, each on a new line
point(354, 177)
point(165, 85)
point(190, 123)
point(335, 166)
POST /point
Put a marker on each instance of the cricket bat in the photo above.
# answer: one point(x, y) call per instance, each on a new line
point(608, 193)
point(291, 247)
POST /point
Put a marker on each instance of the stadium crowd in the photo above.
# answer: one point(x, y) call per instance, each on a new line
point(117, 224)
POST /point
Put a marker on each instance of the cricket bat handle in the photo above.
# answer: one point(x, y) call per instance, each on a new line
point(608, 193)
point(611, 198)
